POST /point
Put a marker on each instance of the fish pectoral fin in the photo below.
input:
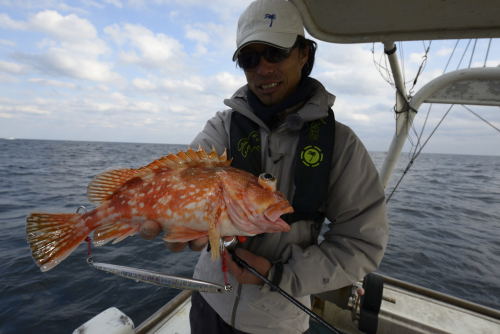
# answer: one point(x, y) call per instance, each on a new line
point(214, 228)
point(177, 233)
point(116, 230)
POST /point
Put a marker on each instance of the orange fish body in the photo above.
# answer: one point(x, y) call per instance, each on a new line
point(190, 194)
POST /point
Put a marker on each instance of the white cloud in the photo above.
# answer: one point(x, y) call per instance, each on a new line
point(147, 49)
point(8, 43)
point(116, 3)
point(444, 51)
point(7, 22)
point(73, 48)
point(29, 109)
point(12, 67)
point(54, 83)
point(62, 28)
point(144, 84)
point(216, 39)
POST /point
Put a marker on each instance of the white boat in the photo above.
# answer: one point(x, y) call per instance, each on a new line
point(392, 306)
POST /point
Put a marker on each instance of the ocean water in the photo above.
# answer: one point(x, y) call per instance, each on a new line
point(444, 233)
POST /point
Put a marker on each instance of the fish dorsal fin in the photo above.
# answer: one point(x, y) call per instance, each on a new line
point(190, 158)
point(104, 185)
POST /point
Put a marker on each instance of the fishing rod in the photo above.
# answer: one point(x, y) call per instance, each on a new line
point(301, 306)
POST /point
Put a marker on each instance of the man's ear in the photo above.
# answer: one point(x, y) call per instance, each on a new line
point(304, 55)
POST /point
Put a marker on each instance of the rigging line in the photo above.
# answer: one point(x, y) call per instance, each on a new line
point(451, 56)
point(417, 154)
point(487, 51)
point(419, 137)
point(472, 55)
point(464, 54)
point(421, 68)
point(494, 127)
point(442, 119)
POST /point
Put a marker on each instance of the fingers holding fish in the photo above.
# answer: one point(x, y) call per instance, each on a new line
point(199, 244)
point(150, 229)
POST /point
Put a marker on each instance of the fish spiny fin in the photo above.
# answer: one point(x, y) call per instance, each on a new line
point(116, 230)
point(104, 185)
point(178, 233)
point(189, 158)
point(52, 237)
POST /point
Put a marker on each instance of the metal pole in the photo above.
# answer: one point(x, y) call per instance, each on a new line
point(403, 119)
point(242, 263)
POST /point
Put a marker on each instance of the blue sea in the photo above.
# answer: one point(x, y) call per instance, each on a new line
point(444, 233)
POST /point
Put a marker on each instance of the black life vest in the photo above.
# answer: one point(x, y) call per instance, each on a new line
point(314, 155)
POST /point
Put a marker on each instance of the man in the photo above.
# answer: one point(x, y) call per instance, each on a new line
point(281, 122)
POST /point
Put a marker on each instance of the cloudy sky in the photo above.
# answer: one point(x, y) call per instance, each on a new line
point(155, 71)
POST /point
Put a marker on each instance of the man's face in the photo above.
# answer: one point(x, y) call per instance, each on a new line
point(273, 82)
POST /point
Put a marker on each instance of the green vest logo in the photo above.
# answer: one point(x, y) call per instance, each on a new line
point(311, 156)
point(249, 144)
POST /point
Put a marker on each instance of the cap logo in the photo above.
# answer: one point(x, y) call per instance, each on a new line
point(272, 17)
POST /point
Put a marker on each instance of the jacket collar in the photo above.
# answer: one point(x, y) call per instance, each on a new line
point(315, 108)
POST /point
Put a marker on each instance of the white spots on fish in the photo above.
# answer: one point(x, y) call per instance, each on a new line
point(197, 190)
point(141, 205)
point(150, 190)
point(154, 182)
point(154, 206)
point(169, 212)
point(182, 187)
point(123, 202)
point(182, 197)
point(205, 189)
point(191, 193)
point(192, 186)
point(163, 180)
point(201, 179)
point(141, 195)
point(134, 211)
point(191, 206)
point(159, 188)
point(132, 203)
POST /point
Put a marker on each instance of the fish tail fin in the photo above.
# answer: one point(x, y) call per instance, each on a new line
point(53, 236)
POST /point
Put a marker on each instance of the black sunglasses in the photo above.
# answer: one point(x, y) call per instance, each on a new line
point(250, 60)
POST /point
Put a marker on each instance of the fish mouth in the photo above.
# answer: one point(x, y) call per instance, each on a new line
point(273, 215)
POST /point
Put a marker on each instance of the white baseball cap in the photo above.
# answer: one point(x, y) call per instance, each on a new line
point(273, 22)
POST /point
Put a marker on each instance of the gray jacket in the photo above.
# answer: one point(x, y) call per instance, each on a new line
point(353, 246)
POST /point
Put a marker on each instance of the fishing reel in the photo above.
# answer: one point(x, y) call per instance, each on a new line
point(365, 308)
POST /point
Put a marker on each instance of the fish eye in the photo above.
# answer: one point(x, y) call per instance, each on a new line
point(268, 177)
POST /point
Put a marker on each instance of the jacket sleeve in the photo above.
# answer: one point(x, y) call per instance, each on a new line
point(358, 231)
point(215, 133)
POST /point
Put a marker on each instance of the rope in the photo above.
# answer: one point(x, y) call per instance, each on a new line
point(417, 154)
point(464, 54)
point(487, 52)
point(451, 56)
point(472, 55)
point(494, 127)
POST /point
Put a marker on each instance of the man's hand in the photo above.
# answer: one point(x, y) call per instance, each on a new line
point(151, 228)
point(242, 275)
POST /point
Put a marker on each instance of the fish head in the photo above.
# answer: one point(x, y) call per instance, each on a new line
point(253, 204)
